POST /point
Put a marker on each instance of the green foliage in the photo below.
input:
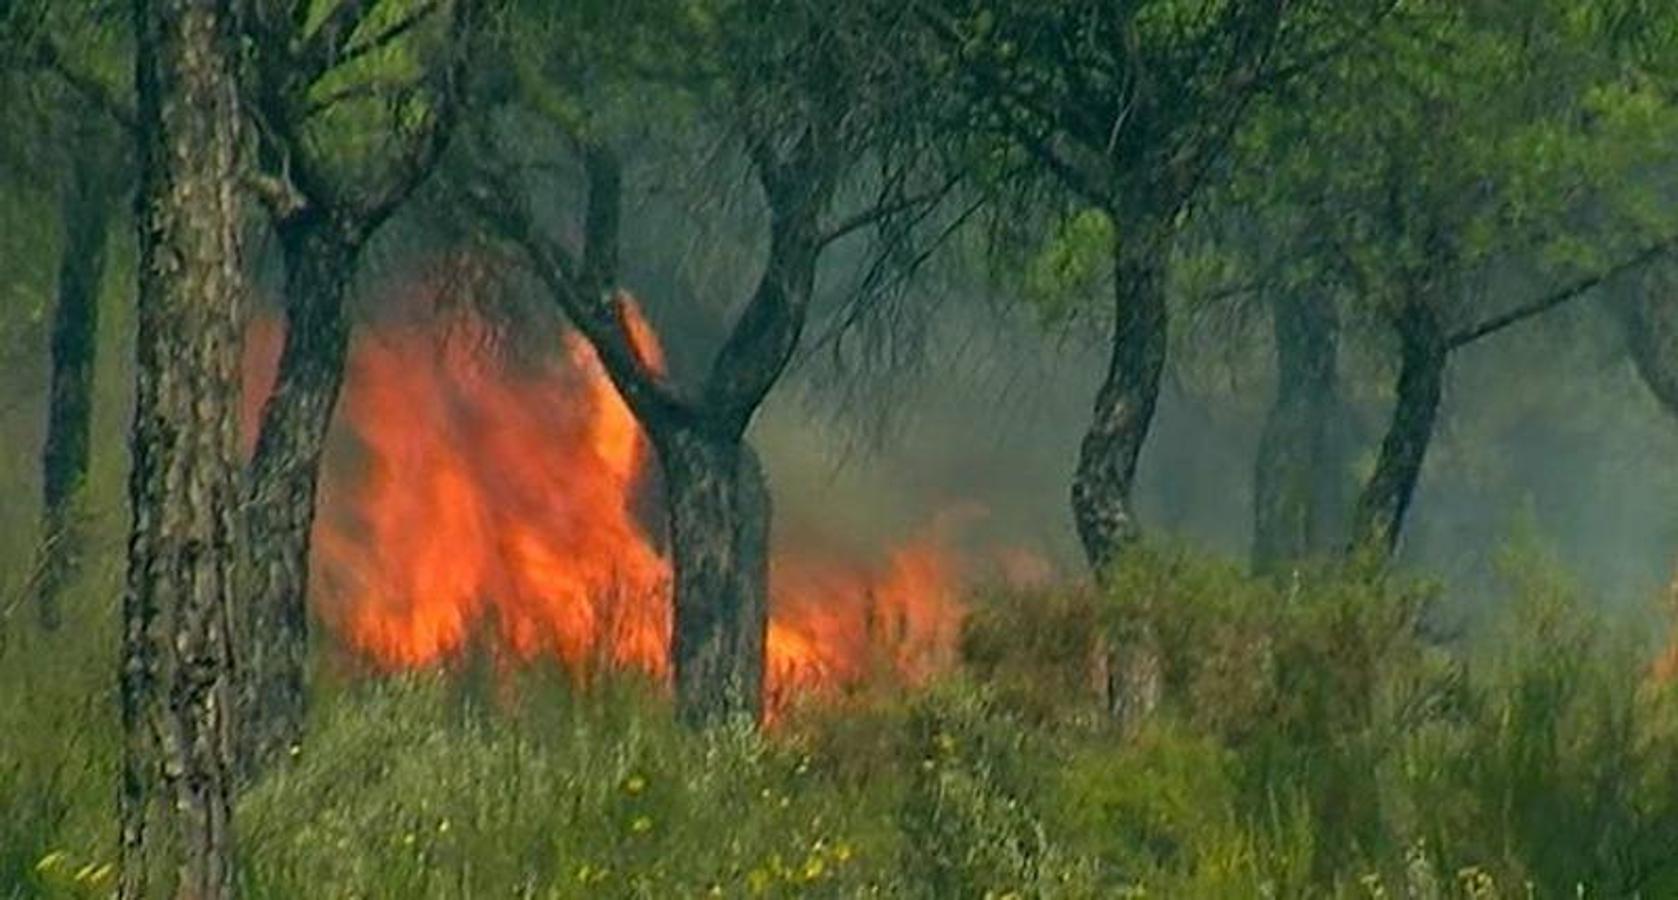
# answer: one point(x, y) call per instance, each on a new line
point(1070, 266)
point(406, 789)
point(1312, 742)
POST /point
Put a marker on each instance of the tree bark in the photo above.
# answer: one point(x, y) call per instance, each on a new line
point(320, 255)
point(1424, 351)
point(718, 513)
point(86, 210)
point(176, 669)
point(1295, 462)
point(1124, 405)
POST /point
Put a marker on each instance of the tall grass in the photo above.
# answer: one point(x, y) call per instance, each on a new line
point(1312, 741)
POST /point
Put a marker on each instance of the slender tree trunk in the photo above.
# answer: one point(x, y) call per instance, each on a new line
point(1424, 350)
point(176, 670)
point(1295, 455)
point(86, 210)
point(1124, 406)
point(718, 508)
point(320, 257)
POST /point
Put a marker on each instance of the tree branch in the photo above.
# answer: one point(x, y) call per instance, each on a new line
point(864, 218)
point(92, 90)
point(585, 292)
point(1561, 296)
point(324, 49)
point(416, 161)
point(391, 34)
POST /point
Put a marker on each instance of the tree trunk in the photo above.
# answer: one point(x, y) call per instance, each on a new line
point(1295, 456)
point(184, 485)
point(86, 211)
point(284, 472)
point(1380, 509)
point(1651, 326)
point(1124, 406)
point(718, 511)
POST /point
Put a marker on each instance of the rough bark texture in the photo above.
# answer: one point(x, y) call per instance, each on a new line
point(1295, 466)
point(719, 537)
point(1424, 350)
point(324, 221)
point(176, 669)
point(320, 256)
point(1124, 406)
point(89, 193)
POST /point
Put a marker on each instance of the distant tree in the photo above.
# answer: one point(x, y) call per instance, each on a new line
point(1298, 466)
point(77, 134)
point(176, 684)
point(1127, 110)
point(95, 183)
point(352, 109)
point(805, 91)
point(1468, 166)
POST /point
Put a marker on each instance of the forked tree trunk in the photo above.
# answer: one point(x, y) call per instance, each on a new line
point(283, 477)
point(1424, 351)
point(1124, 405)
point(718, 513)
point(1296, 456)
point(176, 674)
point(89, 194)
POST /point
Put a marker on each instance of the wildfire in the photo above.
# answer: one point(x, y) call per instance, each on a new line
point(481, 501)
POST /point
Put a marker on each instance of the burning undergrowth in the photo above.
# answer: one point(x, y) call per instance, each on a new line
point(471, 498)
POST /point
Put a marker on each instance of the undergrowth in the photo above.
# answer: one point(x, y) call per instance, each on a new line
point(1312, 740)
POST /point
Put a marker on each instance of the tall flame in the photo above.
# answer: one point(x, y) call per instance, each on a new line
point(482, 501)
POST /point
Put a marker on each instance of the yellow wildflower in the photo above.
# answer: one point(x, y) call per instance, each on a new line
point(641, 825)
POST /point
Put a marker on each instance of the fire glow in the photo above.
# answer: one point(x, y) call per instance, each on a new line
point(478, 500)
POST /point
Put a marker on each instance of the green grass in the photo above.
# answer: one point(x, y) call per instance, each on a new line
point(1310, 743)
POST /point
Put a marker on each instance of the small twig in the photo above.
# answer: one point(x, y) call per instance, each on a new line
point(875, 213)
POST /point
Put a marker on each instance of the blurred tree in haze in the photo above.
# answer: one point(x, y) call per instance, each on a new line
point(68, 104)
point(1125, 111)
point(1475, 156)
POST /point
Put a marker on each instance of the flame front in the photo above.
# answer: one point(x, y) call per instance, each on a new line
point(483, 502)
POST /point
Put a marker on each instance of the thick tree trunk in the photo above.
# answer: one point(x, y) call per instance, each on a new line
point(1124, 406)
point(86, 210)
point(1295, 459)
point(718, 511)
point(1380, 510)
point(184, 485)
point(320, 258)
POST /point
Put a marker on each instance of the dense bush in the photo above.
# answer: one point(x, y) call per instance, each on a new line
point(1311, 741)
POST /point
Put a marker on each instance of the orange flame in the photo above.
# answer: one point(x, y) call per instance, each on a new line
point(489, 501)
